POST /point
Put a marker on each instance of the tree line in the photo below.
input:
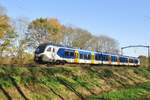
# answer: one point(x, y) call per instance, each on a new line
point(19, 37)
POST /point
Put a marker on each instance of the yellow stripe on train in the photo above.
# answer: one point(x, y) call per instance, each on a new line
point(93, 58)
point(76, 60)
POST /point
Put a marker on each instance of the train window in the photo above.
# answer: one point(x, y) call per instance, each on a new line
point(136, 61)
point(105, 57)
point(123, 60)
point(53, 49)
point(126, 60)
point(81, 56)
point(97, 57)
point(89, 56)
point(49, 49)
point(113, 58)
point(120, 59)
point(130, 60)
point(40, 49)
point(72, 54)
point(85, 56)
point(66, 53)
point(100, 57)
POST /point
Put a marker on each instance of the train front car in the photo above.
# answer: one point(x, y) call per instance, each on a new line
point(39, 53)
point(45, 53)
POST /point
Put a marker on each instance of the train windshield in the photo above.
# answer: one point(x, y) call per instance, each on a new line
point(40, 49)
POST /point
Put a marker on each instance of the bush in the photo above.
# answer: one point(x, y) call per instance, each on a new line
point(5, 81)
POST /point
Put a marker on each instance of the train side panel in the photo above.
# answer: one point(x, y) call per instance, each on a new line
point(51, 53)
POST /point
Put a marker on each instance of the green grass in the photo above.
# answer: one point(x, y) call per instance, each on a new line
point(57, 79)
point(143, 71)
point(52, 83)
point(138, 92)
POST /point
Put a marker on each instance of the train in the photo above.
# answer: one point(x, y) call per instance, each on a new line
point(58, 54)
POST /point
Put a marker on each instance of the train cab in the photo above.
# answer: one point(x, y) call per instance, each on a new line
point(45, 52)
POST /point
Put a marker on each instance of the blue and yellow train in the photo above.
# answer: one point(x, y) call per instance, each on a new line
point(48, 53)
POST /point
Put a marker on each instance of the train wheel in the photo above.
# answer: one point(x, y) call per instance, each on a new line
point(63, 62)
point(58, 62)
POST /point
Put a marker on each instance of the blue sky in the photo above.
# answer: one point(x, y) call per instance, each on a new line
point(127, 21)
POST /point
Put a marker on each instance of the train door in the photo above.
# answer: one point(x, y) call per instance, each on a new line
point(76, 59)
point(109, 59)
point(49, 52)
point(53, 53)
point(92, 58)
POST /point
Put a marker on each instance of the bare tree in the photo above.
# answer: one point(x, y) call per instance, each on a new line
point(103, 44)
point(20, 25)
point(76, 37)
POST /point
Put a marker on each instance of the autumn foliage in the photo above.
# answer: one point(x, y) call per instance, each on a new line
point(4, 25)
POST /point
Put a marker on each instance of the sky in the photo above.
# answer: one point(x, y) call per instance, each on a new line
point(127, 21)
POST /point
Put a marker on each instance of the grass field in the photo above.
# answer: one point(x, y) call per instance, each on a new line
point(72, 83)
point(137, 92)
